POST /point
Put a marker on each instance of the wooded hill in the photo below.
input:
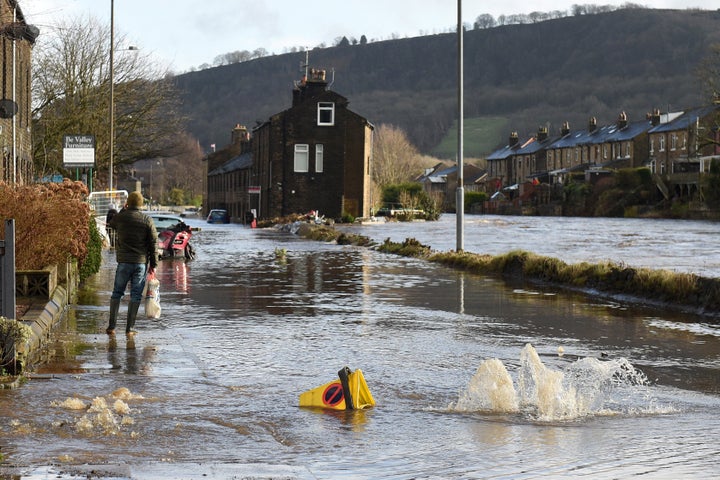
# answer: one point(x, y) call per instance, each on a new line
point(516, 77)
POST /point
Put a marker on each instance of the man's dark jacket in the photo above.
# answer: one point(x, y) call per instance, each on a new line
point(136, 240)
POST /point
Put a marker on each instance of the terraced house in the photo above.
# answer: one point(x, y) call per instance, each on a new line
point(16, 41)
point(677, 147)
point(316, 155)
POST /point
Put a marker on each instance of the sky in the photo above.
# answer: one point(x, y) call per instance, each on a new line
point(184, 34)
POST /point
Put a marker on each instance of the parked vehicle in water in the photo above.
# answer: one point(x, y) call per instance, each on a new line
point(218, 215)
point(190, 212)
point(173, 236)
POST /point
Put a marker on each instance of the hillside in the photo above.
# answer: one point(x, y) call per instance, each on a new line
point(521, 76)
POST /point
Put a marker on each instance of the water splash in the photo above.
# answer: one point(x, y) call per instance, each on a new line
point(99, 416)
point(588, 387)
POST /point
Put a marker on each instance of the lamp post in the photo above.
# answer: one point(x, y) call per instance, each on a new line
point(460, 193)
point(112, 89)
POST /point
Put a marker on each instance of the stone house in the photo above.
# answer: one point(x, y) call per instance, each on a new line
point(500, 162)
point(682, 149)
point(228, 176)
point(440, 182)
point(316, 155)
point(16, 41)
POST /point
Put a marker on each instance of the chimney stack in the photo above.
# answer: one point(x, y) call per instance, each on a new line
point(655, 117)
point(565, 129)
point(239, 134)
point(542, 134)
point(622, 120)
point(592, 124)
point(513, 139)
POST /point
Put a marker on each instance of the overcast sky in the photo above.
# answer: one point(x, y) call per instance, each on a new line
point(182, 34)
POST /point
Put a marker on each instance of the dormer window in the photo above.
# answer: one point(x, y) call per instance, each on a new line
point(326, 114)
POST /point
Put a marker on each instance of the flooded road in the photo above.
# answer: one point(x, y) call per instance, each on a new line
point(473, 378)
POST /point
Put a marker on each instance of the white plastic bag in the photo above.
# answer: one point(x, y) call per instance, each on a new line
point(152, 297)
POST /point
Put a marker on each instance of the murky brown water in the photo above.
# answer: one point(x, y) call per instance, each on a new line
point(211, 389)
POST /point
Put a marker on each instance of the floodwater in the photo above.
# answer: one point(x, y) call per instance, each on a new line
point(472, 377)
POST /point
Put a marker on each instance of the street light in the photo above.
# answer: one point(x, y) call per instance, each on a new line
point(112, 88)
point(460, 193)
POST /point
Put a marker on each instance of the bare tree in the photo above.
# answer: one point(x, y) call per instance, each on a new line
point(71, 95)
point(185, 171)
point(395, 159)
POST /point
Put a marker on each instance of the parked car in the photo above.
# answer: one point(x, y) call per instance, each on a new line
point(190, 212)
point(173, 236)
point(218, 215)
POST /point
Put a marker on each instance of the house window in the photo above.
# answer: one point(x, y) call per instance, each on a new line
point(326, 113)
point(627, 150)
point(319, 157)
point(661, 147)
point(301, 157)
point(652, 147)
point(673, 141)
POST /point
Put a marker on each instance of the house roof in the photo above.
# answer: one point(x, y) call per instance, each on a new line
point(509, 150)
point(471, 174)
point(533, 145)
point(240, 162)
point(684, 121)
point(603, 134)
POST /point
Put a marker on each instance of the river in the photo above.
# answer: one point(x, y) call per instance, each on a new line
point(472, 377)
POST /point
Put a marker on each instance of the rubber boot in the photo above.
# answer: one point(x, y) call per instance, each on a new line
point(114, 307)
point(132, 315)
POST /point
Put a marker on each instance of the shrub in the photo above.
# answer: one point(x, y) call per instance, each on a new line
point(52, 222)
point(93, 260)
point(474, 198)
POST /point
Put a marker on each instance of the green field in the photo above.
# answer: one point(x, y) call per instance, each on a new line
point(482, 135)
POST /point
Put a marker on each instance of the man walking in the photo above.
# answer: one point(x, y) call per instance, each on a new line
point(136, 253)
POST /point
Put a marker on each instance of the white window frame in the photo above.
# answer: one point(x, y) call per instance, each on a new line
point(323, 108)
point(319, 154)
point(301, 158)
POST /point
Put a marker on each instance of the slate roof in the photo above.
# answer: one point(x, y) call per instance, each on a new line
point(509, 150)
point(240, 162)
point(684, 121)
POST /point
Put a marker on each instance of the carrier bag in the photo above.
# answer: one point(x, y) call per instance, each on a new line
point(152, 297)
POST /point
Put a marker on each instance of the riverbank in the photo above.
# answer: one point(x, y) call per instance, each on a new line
point(683, 292)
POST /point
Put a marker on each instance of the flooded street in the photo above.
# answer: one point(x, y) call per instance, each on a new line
point(473, 378)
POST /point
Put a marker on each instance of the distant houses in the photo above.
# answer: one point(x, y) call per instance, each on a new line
point(314, 156)
point(317, 156)
point(676, 147)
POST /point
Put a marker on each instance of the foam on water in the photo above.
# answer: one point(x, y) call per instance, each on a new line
point(99, 416)
point(587, 387)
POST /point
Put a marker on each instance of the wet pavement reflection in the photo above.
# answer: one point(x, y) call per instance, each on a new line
point(210, 390)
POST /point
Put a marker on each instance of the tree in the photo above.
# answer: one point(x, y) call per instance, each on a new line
point(484, 20)
point(395, 159)
point(185, 171)
point(71, 90)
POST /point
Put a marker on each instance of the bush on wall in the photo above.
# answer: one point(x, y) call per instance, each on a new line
point(52, 223)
